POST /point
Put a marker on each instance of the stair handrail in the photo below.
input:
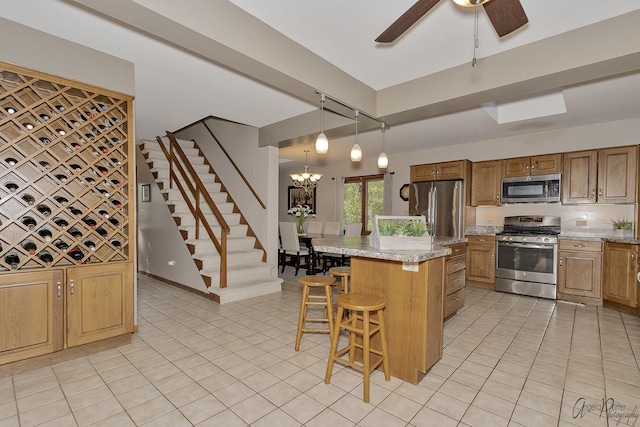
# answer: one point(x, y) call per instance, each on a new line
point(196, 191)
point(234, 165)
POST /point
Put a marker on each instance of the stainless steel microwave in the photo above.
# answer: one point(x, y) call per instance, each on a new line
point(531, 189)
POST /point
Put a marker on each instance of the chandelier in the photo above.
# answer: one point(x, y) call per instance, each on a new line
point(306, 179)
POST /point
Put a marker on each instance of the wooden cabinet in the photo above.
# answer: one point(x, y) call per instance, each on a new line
point(31, 314)
point(617, 175)
point(620, 283)
point(99, 302)
point(537, 165)
point(579, 269)
point(65, 213)
point(600, 176)
point(458, 169)
point(486, 180)
point(580, 177)
point(481, 259)
point(454, 282)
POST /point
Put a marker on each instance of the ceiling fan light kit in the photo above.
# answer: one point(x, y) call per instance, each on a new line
point(469, 3)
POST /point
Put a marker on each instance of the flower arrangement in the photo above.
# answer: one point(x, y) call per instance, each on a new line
point(301, 213)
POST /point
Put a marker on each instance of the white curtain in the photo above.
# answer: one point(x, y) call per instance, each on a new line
point(339, 214)
point(388, 193)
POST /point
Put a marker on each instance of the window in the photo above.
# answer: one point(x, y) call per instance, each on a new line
point(363, 198)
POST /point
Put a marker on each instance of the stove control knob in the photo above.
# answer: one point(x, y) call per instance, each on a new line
point(546, 240)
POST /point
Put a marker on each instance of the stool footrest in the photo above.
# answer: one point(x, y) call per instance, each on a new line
point(317, 330)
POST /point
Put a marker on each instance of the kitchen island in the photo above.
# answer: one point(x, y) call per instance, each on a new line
point(413, 284)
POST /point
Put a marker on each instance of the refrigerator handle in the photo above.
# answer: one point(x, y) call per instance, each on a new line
point(433, 210)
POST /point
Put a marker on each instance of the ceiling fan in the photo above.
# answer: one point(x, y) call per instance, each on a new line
point(506, 16)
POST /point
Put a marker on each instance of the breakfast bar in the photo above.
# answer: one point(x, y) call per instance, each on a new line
point(413, 284)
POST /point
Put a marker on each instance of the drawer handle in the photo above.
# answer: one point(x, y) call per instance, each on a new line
point(579, 245)
point(456, 280)
point(71, 290)
point(59, 290)
point(456, 300)
point(457, 264)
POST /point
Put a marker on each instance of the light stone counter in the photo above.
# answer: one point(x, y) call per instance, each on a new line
point(359, 246)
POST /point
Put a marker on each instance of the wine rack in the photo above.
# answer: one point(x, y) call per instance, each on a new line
point(65, 165)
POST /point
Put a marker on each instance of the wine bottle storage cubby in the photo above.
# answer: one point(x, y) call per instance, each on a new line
point(64, 172)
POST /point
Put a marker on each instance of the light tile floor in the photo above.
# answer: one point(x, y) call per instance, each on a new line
point(508, 360)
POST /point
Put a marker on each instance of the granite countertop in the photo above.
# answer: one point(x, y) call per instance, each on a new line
point(359, 246)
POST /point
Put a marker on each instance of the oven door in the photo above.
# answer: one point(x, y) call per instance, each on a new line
point(531, 262)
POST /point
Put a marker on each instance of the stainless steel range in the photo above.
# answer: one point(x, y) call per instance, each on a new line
point(526, 254)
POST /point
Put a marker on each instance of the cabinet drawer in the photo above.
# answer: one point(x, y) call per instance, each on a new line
point(457, 249)
point(454, 282)
point(481, 240)
point(579, 245)
point(454, 302)
point(455, 264)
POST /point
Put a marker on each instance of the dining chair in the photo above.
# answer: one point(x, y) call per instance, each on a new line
point(332, 228)
point(315, 227)
point(354, 229)
point(291, 247)
point(331, 259)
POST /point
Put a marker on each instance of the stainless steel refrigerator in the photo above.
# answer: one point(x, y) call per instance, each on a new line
point(441, 203)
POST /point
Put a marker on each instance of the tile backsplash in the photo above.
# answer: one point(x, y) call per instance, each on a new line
point(573, 217)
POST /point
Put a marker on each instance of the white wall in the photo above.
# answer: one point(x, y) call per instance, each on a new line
point(600, 135)
point(43, 52)
point(159, 240)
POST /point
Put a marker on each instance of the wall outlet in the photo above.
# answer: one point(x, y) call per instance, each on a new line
point(171, 263)
point(581, 222)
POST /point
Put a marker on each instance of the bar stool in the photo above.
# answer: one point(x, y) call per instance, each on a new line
point(309, 299)
point(359, 307)
point(345, 274)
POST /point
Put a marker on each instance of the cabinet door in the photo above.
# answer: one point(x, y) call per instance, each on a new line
point(31, 314)
point(580, 273)
point(99, 302)
point(481, 262)
point(617, 175)
point(546, 164)
point(519, 166)
point(579, 177)
point(451, 170)
point(620, 284)
point(423, 172)
point(486, 180)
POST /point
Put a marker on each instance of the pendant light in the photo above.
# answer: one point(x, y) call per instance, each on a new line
point(356, 151)
point(322, 143)
point(383, 160)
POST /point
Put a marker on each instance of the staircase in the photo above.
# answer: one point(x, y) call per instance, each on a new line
point(248, 275)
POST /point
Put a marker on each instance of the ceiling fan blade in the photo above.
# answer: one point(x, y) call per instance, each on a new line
point(505, 15)
point(404, 22)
